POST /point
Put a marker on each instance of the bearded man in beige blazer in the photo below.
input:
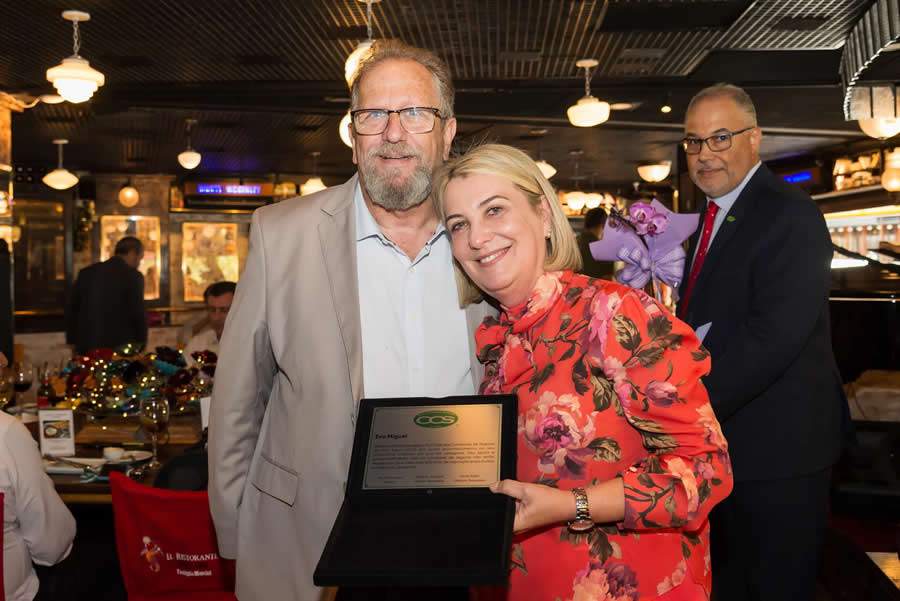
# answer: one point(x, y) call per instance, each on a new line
point(346, 293)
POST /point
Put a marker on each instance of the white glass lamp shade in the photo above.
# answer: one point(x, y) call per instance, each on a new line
point(189, 159)
point(593, 200)
point(890, 177)
point(313, 184)
point(880, 128)
point(546, 168)
point(655, 172)
point(575, 200)
point(74, 79)
point(588, 112)
point(60, 179)
point(344, 130)
point(129, 196)
point(355, 58)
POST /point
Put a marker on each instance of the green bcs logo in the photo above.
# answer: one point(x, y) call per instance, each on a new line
point(436, 419)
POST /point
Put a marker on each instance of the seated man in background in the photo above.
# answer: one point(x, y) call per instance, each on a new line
point(37, 526)
point(594, 220)
point(218, 299)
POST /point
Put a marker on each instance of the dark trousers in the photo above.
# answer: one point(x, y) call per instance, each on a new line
point(767, 537)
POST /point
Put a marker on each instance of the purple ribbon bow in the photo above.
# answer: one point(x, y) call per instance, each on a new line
point(660, 258)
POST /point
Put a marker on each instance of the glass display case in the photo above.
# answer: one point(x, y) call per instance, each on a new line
point(864, 231)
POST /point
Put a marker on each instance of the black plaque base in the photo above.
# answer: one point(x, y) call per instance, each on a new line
point(421, 537)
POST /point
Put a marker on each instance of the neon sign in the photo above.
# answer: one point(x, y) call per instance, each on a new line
point(229, 189)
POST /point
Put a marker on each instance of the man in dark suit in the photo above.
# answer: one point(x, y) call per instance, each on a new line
point(594, 220)
point(106, 308)
point(756, 285)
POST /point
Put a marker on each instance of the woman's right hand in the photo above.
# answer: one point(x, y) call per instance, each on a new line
point(537, 505)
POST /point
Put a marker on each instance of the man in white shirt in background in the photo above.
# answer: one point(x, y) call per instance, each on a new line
point(37, 526)
point(218, 299)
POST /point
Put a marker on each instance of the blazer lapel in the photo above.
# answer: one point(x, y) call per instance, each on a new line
point(337, 235)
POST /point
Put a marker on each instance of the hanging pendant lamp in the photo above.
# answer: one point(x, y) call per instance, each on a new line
point(588, 111)
point(359, 53)
point(315, 183)
point(74, 79)
point(60, 178)
point(189, 158)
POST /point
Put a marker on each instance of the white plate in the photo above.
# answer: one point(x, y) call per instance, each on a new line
point(54, 467)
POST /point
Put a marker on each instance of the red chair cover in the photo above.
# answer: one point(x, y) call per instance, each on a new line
point(167, 544)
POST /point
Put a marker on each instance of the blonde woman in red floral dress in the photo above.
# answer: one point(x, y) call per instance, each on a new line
point(620, 456)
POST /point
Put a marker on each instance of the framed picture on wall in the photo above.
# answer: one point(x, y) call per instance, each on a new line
point(209, 254)
point(146, 229)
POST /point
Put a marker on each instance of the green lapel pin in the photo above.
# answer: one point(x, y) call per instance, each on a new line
point(730, 219)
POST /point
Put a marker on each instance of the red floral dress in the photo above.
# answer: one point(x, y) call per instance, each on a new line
point(609, 385)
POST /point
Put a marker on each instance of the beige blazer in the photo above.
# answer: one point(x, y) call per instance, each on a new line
point(289, 375)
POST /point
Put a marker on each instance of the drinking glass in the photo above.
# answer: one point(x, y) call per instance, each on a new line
point(154, 420)
point(6, 386)
point(23, 376)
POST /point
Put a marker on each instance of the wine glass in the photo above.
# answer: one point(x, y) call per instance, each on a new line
point(154, 419)
point(6, 386)
point(23, 376)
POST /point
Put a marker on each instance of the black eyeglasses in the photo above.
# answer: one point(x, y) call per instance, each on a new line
point(716, 142)
point(413, 119)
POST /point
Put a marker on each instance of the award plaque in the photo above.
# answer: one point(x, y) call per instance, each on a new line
point(417, 510)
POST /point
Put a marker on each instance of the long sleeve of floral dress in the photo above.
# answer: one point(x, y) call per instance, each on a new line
point(654, 364)
point(609, 386)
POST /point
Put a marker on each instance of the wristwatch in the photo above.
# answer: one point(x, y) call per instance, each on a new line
point(582, 521)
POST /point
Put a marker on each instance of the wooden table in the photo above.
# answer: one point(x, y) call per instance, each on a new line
point(185, 430)
point(73, 491)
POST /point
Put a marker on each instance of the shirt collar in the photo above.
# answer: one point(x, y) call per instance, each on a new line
point(367, 227)
point(726, 201)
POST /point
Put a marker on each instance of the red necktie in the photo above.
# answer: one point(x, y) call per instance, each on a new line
point(711, 210)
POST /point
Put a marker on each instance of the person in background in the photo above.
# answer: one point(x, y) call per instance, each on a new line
point(756, 281)
point(594, 221)
point(620, 457)
point(106, 306)
point(218, 299)
point(37, 527)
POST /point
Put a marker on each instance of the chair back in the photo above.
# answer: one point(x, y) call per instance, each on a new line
point(166, 542)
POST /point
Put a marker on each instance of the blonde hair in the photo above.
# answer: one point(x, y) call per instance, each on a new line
point(384, 50)
point(514, 165)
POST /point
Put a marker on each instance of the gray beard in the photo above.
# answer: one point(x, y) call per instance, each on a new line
point(382, 188)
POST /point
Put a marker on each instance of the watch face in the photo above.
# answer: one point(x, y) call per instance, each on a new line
point(581, 525)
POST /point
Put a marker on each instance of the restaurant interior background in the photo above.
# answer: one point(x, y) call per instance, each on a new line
point(211, 108)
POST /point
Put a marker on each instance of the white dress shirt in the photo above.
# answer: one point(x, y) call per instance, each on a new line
point(725, 202)
point(205, 340)
point(37, 526)
point(414, 334)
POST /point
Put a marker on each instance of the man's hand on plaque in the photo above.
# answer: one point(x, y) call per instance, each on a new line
point(537, 505)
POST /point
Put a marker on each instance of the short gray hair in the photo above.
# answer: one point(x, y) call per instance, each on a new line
point(737, 95)
point(384, 50)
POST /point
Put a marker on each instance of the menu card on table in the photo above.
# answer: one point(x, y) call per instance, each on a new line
point(57, 432)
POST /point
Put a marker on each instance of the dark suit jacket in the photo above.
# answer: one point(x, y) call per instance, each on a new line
point(590, 266)
point(774, 382)
point(106, 308)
